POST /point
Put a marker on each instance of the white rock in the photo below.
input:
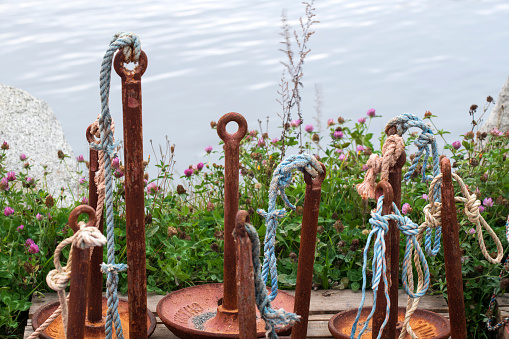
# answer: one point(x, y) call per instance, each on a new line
point(499, 116)
point(30, 127)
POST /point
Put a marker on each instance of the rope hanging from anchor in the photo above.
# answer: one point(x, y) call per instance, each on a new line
point(130, 44)
point(392, 149)
point(432, 216)
point(57, 279)
point(402, 123)
point(380, 225)
point(281, 179)
point(273, 318)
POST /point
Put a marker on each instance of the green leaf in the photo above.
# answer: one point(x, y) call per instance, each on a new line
point(355, 286)
point(151, 231)
point(354, 275)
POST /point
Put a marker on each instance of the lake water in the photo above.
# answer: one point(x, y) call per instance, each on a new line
point(208, 57)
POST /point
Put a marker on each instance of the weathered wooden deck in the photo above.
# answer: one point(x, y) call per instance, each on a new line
point(324, 304)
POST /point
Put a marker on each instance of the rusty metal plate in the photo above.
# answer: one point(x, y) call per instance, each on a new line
point(56, 330)
point(426, 324)
point(193, 313)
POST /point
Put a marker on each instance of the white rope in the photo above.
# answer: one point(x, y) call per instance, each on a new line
point(57, 279)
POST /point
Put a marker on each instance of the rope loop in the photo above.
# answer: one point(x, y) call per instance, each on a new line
point(131, 47)
point(406, 121)
point(471, 209)
point(273, 318)
point(410, 229)
point(281, 179)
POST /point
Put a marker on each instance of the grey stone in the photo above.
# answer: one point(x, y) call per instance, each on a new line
point(30, 127)
point(499, 116)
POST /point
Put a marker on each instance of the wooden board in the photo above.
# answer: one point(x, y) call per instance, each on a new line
point(324, 304)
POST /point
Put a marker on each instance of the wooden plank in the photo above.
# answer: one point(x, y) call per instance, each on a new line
point(334, 301)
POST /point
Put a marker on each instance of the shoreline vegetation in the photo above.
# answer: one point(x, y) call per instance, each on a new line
point(184, 223)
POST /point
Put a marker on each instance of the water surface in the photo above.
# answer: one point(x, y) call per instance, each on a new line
point(207, 58)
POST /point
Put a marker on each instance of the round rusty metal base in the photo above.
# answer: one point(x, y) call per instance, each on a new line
point(93, 330)
point(425, 324)
point(195, 312)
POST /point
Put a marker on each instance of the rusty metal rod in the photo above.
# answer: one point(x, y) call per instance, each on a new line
point(231, 202)
point(307, 252)
point(95, 280)
point(134, 193)
point(245, 279)
point(385, 189)
point(395, 178)
point(452, 255)
point(392, 239)
point(79, 278)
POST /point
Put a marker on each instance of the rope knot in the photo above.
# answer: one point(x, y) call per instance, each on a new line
point(88, 236)
point(392, 149)
point(131, 45)
point(58, 281)
point(274, 215)
point(472, 208)
point(113, 268)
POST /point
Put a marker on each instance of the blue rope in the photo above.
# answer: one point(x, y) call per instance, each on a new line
point(131, 49)
point(273, 318)
point(402, 123)
point(380, 225)
point(281, 179)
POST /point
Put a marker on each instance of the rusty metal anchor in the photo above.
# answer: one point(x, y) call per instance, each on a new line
point(210, 311)
point(424, 322)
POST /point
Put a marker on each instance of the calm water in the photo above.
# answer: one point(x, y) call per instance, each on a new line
point(208, 57)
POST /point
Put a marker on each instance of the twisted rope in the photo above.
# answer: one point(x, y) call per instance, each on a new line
point(57, 279)
point(132, 49)
point(99, 177)
point(392, 149)
point(402, 123)
point(432, 215)
point(380, 225)
point(472, 211)
point(273, 318)
point(281, 179)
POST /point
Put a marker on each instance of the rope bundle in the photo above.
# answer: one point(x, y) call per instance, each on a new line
point(281, 179)
point(392, 149)
point(273, 318)
point(57, 279)
point(402, 123)
point(131, 47)
point(380, 225)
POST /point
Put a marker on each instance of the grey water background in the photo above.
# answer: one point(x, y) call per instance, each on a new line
point(208, 57)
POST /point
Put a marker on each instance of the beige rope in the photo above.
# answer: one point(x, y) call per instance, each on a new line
point(99, 178)
point(57, 279)
point(392, 149)
point(432, 216)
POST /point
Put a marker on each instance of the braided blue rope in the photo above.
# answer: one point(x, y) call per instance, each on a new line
point(273, 318)
point(281, 179)
point(131, 49)
point(402, 123)
point(380, 225)
point(379, 269)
